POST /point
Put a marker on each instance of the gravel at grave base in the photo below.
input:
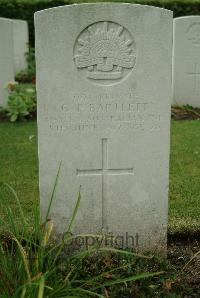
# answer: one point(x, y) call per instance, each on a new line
point(184, 255)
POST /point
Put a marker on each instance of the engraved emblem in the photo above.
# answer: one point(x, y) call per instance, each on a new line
point(105, 52)
point(193, 33)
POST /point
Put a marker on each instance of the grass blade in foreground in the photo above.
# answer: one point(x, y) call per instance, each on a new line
point(53, 192)
point(128, 279)
point(41, 287)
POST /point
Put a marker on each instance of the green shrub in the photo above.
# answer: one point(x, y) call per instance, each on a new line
point(28, 75)
point(25, 9)
point(21, 102)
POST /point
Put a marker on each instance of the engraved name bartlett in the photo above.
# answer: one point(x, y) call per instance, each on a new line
point(105, 49)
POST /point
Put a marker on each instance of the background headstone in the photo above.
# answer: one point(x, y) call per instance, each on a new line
point(20, 30)
point(104, 96)
point(186, 61)
point(6, 58)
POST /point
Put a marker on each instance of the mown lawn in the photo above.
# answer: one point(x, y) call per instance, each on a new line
point(184, 211)
point(19, 163)
point(19, 168)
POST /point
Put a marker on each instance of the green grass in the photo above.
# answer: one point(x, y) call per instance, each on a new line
point(18, 161)
point(184, 211)
point(19, 168)
point(33, 265)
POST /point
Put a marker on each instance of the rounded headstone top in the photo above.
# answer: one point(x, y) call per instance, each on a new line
point(187, 17)
point(5, 20)
point(107, 5)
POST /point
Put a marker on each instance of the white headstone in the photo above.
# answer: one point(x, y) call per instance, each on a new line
point(186, 61)
point(104, 95)
point(6, 58)
point(20, 45)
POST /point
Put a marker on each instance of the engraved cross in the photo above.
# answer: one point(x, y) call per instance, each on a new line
point(104, 171)
point(196, 75)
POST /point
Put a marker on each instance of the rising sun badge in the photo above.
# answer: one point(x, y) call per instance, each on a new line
point(105, 51)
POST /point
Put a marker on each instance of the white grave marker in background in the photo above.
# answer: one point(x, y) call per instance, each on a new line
point(20, 30)
point(186, 61)
point(6, 58)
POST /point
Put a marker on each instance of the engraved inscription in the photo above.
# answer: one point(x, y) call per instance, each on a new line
point(104, 171)
point(105, 52)
point(193, 34)
point(84, 113)
point(196, 78)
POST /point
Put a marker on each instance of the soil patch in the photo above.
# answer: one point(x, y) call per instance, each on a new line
point(184, 255)
point(185, 113)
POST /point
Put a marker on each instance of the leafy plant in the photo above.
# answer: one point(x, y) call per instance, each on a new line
point(21, 102)
point(28, 75)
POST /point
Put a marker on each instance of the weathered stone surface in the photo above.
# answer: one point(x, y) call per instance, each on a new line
point(186, 61)
point(6, 58)
point(20, 29)
point(104, 96)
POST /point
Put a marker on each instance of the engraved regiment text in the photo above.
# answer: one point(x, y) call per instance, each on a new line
point(87, 112)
